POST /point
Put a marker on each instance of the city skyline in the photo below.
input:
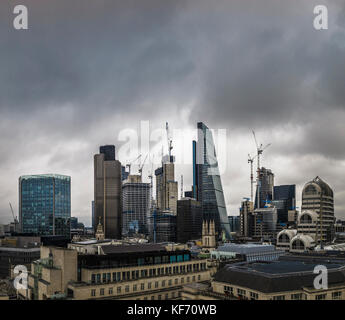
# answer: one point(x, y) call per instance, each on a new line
point(238, 66)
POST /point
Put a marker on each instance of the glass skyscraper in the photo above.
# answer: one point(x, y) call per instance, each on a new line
point(45, 204)
point(207, 182)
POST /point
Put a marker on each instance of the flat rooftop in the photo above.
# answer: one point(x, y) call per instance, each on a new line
point(132, 248)
point(278, 276)
point(283, 267)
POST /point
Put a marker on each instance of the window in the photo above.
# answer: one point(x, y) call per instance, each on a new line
point(159, 297)
point(149, 285)
point(152, 297)
point(176, 281)
point(104, 277)
point(199, 277)
point(98, 278)
point(170, 282)
point(296, 296)
point(163, 283)
point(336, 295)
point(279, 298)
point(320, 297)
point(118, 289)
point(142, 286)
point(101, 292)
point(127, 288)
point(93, 293)
point(188, 279)
point(228, 290)
point(182, 280)
point(110, 290)
point(166, 296)
point(134, 287)
point(93, 278)
point(193, 278)
point(254, 296)
point(241, 293)
point(156, 284)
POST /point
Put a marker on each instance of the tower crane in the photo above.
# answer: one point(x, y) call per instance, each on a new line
point(260, 149)
point(141, 166)
point(130, 164)
point(15, 220)
point(251, 160)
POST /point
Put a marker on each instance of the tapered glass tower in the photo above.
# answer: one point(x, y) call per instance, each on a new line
point(208, 183)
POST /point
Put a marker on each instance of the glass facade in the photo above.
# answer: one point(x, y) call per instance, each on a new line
point(45, 204)
point(209, 185)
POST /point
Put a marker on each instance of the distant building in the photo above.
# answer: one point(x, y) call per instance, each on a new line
point(136, 204)
point(164, 226)
point(247, 221)
point(74, 222)
point(208, 183)
point(234, 222)
point(189, 220)
point(266, 183)
point(266, 222)
point(166, 186)
point(45, 204)
point(209, 237)
point(108, 192)
point(284, 199)
point(318, 196)
point(248, 252)
point(93, 215)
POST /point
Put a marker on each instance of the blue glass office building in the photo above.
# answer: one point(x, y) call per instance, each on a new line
point(45, 204)
point(207, 182)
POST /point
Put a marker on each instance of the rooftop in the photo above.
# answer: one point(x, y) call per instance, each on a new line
point(132, 248)
point(278, 276)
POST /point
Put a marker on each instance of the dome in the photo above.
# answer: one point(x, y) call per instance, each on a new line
point(286, 235)
point(301, 242)
point(316, 186)
point(307, 217)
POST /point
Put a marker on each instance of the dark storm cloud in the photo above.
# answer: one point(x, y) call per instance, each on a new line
point(87, 69)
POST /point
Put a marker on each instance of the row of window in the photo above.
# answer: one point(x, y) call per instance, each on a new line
point(142, 287)
point(296, 296)
point(137, 274)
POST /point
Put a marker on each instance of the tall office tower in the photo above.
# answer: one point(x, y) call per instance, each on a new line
point(209, 185)
point(108, 151)
point(318, 196)
point(166, 186)
point(136, 205)
point(189, 220)
point(45, 204)
point(284, 200)
point(195, 172)
point(247, 218)
point(93, 214)
point(266, 183)
point(108, 192)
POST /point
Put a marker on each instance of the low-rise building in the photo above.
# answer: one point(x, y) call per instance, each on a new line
point(276, 280)
point(145, 271)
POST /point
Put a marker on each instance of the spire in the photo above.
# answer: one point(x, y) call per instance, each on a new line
point(99, 232)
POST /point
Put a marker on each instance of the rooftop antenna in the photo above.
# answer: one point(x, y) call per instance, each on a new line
point(141, 166)
point(260, 149)
point(170, 147)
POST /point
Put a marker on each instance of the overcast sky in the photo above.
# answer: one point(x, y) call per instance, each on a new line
point(87, 70)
